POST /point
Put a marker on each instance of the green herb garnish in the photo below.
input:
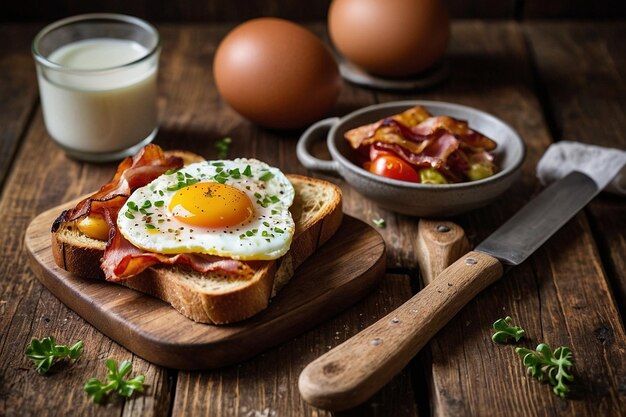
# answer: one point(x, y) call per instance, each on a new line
point(553, 367)
point(279, 230)
point(159, 203)
point(182, 182)
point(44, 353)
point(150, 226)
point(116, 383)
point(267, 176)
point(131, 205)
point(129, 215)
point(248, 171)
point(379, 223)
point(234, 173)
point(505, 330)
point(222, 146)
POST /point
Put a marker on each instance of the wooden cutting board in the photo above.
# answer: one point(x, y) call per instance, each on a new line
point(340, 273)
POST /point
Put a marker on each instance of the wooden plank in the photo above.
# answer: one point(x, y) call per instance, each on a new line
point(220, 11)
point(18, 89)
point(268, 385)
point(573, 9)
point(470, 374)
point(586, 104)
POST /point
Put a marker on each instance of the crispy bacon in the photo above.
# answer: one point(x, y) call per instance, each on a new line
point(440, 142)
point(435, 153)
point(132, 173)
point(459, 128)
point(411, 117)
point(123, 260)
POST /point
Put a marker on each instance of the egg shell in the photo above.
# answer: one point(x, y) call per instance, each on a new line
point(276, 73)
point(391, 38)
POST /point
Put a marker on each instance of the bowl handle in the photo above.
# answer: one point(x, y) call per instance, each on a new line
point(312, 134)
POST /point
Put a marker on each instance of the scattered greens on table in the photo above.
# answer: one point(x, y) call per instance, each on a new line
point(506, 330)
point(97, 389)
point(545, 365)
point(379, 223)
point(542, 363)
point(222, 146)
point(45, 352)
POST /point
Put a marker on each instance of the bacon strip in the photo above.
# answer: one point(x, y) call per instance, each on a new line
point(434, 126)
point(435, 153)
point(123, 260)
point(411, 117)
point(132, 173)
point(413, 127)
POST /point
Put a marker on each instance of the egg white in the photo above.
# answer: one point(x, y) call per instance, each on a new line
point(267, 235)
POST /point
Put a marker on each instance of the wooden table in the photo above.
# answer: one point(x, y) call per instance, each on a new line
point(550, 81)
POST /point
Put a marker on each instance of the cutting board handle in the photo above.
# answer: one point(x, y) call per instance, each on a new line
point(439, 244)
point(353, 371)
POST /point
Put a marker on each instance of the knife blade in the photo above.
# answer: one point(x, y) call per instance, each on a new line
point(538, 220)
point(352, 372)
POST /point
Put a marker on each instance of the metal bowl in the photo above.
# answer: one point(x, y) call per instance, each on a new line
point(427, 200)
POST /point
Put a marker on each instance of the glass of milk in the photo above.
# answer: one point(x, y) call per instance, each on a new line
point(97, 81)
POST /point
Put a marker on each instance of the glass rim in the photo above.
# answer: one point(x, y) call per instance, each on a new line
point(44, 61)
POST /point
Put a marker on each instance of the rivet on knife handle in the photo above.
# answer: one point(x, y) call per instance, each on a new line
point(353, 371)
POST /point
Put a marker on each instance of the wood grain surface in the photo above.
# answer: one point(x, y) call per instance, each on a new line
point(550, 80)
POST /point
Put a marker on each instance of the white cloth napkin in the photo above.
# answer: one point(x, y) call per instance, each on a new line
point(564, 157)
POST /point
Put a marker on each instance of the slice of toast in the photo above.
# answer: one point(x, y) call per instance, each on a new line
point(214, 297)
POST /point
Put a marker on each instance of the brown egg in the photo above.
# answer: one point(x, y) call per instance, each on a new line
point(391, 38)
point(276, 73)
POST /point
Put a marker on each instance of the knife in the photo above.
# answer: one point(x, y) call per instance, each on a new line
point(352, 372)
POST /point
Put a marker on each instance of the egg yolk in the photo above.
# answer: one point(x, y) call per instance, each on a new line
point(211, 205)
point(94, 226)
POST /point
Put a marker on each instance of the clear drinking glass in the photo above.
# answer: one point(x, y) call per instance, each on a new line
point(97, 78)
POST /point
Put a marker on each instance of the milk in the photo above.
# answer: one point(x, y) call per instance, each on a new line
point(98, 101)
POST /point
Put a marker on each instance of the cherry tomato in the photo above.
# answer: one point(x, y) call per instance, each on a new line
point(393, 167)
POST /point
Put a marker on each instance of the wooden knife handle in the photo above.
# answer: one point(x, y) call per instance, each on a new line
point(439, 244)
point(353, 371)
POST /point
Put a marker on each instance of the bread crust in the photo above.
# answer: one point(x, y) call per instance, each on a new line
point(316, 222)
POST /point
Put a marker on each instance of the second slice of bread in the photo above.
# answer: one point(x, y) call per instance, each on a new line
point(214, 297)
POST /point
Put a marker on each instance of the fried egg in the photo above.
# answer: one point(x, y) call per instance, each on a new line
point(237, 209)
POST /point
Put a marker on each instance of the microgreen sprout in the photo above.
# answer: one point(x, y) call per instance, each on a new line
point(97, 389)
point(553, 367)
point(506, 330)
point(44, 353)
